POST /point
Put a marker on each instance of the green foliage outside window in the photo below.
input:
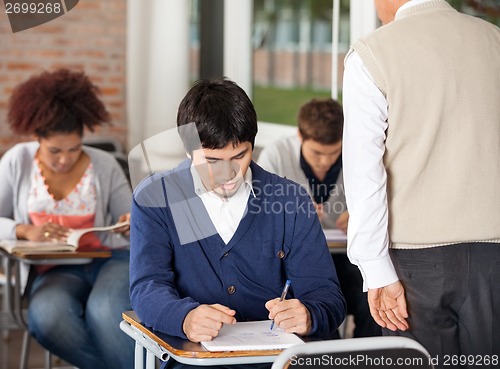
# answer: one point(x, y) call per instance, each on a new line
point(280, 105)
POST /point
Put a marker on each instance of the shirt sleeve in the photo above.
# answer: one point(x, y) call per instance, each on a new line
point(7, 197)
point(365, 177)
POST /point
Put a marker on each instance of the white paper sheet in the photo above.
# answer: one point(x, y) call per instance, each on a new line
point(251, 336)
point(335, 235)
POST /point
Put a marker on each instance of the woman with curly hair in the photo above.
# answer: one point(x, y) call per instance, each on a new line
point(55, 184)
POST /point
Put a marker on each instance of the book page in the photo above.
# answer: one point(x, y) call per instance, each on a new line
point(76, 234)
point(251, 336)
point(33, 246)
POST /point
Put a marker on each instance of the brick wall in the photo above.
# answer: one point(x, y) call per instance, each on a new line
point(91, 37)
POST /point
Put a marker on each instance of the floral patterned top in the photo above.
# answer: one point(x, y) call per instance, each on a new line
point(76, 210)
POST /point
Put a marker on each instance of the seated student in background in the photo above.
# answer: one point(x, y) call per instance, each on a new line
point(52, 185)
point(313, 159)
point(214, 240)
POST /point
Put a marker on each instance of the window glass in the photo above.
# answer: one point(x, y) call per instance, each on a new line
point(292, 41)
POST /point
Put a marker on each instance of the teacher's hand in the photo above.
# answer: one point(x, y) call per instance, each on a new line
point(388, 306)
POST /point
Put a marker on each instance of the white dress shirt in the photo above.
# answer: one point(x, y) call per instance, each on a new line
point(365, 177)
point(225, 213)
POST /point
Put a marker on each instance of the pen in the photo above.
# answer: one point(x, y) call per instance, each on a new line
point(282, 297)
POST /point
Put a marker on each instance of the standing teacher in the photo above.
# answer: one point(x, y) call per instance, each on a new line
point(422, 175)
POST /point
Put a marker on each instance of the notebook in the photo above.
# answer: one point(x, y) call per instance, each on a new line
point(335, 235)
point(246, 336)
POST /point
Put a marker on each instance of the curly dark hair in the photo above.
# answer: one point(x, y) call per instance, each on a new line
point(62, 101)
point(321, 120)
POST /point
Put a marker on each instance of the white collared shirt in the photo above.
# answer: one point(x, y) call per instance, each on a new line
point(225, 213)
point(365, 177)
point(411, 3)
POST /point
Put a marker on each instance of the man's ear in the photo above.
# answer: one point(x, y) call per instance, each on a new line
point(300, 137)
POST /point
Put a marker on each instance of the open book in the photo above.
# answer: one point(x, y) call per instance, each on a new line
point(25, 246)
point(76, 234)
point(251, 336)
point(71, 243)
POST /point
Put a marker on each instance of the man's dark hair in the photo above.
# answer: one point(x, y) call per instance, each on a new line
point(321, 121)
point(222, 112)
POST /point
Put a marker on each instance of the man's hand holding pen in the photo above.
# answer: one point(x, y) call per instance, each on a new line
point(204, 322)
point(290, 315)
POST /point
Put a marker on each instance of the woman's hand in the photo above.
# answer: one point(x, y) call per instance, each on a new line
point(47, 232)
point(125, 230)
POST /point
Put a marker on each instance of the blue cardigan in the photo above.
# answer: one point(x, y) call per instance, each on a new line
point(279, 238)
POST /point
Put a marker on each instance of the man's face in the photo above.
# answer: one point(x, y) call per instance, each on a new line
point(223, 170)
point(320, 157)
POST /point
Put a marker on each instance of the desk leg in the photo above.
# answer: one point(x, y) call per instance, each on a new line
point(23, 364)
point(5, 287)
point(150, 360)
point(139, 356)
point(153, 350)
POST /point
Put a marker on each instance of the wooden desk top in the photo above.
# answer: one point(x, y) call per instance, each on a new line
point(336, 245)
point(57, 255)
point(184, 348)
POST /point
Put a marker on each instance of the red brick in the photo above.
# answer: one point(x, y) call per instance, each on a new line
point(46, 53)
point(68, 65)
point(110, 91)
point(21, 66)
point(88, 54)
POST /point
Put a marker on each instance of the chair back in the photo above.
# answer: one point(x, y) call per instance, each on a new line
point(113, 146)
point(367, 352)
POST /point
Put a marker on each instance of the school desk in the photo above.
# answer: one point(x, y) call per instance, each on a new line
point(15, 315)
point(164, 347)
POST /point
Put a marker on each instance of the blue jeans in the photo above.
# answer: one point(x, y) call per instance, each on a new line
point(75, 312)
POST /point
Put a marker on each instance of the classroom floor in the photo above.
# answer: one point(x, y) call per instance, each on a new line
point(10, 351)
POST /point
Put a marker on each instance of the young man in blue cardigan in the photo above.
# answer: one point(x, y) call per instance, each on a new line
point(214, 240)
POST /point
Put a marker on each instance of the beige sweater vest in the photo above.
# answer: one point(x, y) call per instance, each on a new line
point(440, 72)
